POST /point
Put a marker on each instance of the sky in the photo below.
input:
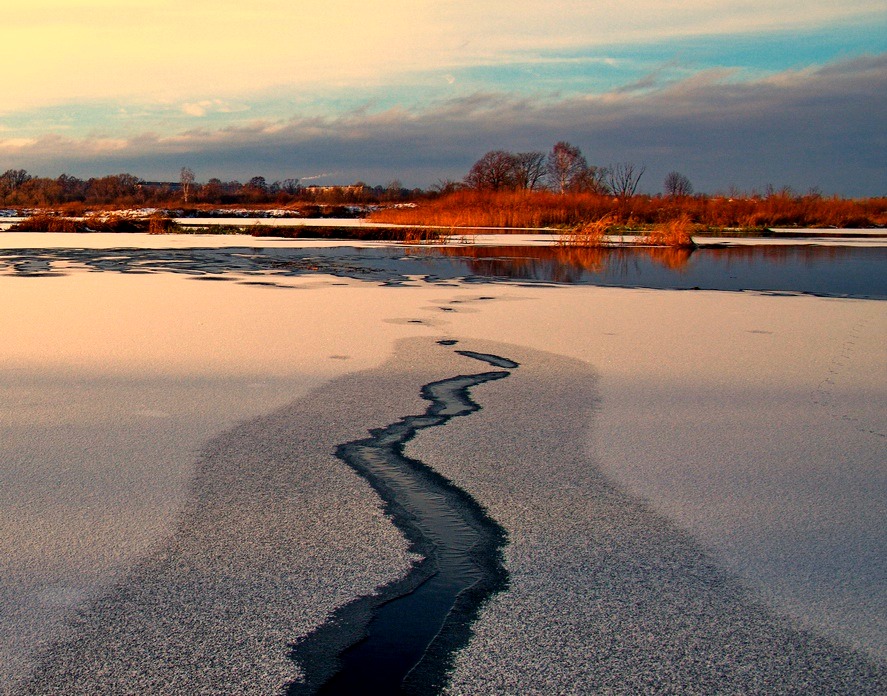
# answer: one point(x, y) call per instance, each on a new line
point(736, 96)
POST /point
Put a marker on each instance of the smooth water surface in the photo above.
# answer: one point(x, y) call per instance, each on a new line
point(828, 271)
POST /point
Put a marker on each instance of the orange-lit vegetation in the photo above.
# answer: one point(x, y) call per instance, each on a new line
point(483, 208)
point(502, 190)
point(47, 223)
point(529, 209)
point(671, 233)
point(588, 234)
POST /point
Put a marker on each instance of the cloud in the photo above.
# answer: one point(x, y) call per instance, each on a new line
point(166, 49)
point(194, 109)
point(11, 144)
point(812, 127)
point(217, 106)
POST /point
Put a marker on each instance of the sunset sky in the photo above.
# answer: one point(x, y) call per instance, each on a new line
point(741, 94)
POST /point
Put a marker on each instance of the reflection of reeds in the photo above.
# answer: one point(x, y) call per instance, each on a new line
point(587, 258)
point(673, 258)
point(562, 264)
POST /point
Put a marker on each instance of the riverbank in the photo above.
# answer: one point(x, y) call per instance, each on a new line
point(169, 474)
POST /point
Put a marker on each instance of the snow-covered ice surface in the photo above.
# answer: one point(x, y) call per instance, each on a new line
point(692, 482)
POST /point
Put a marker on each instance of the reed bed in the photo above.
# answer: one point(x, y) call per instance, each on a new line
point(46, 222)
point(539, 209)
point(518, 209)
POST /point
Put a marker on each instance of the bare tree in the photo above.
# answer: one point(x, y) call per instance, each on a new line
point(494, 171)
point(529, 169)
point(677, 184)
point(114, 188)
point(290, 186)
point(591, 180)
point(565, 164)
point(258, 184)
point(444, 187)
point(186, 177)
point(12, 179)
point(623, 178)
point(394, 191)
point(71, 188)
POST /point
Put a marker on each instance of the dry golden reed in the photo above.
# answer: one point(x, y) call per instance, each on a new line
point(535, 209)
point(592, 233)
point(673, 233)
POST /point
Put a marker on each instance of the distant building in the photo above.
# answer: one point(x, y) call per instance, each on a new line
point(161, 185)
point(352, 190)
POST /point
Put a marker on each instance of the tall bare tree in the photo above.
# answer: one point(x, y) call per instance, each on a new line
point(529, 170)
point(290, 186)
point(186, 178)
point(677, 184)
point(623, 178)
point(564, 165)
point(591, 180)
point(12, 179)
point(495, 171)
point(444, 187)
point(114, 188)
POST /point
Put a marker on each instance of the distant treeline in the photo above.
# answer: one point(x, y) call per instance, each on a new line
point(19, 189)
point(501, 189)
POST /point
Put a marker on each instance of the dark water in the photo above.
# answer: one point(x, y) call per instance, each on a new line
point(402, 640)
point(828, 271)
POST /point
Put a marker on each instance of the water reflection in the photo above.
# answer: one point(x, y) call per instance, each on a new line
point(559, 264)
point(833, 271)
point(823, 270)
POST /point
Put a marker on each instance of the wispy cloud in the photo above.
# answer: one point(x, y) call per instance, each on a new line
point(209, 106)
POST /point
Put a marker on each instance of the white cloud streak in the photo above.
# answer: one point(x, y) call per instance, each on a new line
point(209, 106)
